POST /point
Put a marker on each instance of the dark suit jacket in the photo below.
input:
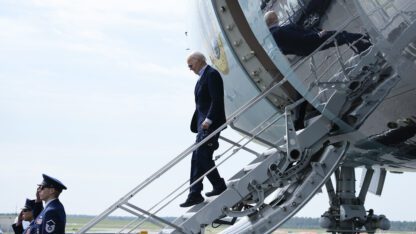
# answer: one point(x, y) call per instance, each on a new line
point(209, 100)
point(51, 220)
point(293, 39)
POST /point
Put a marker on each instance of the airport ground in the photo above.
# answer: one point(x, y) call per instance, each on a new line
point(113, 224)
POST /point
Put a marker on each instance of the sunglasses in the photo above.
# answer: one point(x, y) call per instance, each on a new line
point(26, 210)
point(41, 187)
point(190, 66)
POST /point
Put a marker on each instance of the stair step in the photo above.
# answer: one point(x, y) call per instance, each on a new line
point(194, 209)
point(251, 167)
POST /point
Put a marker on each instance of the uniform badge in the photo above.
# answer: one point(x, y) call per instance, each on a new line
point(39, 221)
point(50, 226)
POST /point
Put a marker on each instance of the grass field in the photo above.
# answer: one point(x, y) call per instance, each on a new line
point(113, 224)
point(74, 223)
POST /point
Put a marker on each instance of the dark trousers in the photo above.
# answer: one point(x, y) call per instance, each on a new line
point(202, 162)
point(345, 37)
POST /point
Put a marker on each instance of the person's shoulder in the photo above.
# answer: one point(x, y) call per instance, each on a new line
point(287, 27)
point(213, 72)
point(55, 211)
point(50, 212)
point(209, 68)
point(281, 30)
point(274, 28)
point(55, 204)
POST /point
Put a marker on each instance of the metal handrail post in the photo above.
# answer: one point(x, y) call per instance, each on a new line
point(238, 145)
point(155, 217)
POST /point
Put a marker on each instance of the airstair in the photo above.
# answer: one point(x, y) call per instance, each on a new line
point(282, 179)
point(265, 193)
point(289, 174)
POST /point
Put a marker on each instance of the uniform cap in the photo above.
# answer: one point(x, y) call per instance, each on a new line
point(51, 182)
point(29, 204)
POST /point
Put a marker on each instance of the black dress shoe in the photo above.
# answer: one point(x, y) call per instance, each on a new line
point(216, 192)
point(190, 201)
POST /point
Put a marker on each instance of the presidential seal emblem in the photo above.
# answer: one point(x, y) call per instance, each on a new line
point(218, 57)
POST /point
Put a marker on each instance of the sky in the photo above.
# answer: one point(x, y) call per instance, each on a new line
point(97, 93)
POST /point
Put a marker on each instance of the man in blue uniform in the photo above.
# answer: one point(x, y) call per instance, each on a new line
point(293, 39)
point(53, 218)
point(208, 116)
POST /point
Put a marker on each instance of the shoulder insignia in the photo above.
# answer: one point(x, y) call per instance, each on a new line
point(50, 226)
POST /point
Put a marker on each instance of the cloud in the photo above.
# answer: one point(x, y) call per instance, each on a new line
point(106, 28)
point(110, 12)
point(117, 5)
point(159, 70)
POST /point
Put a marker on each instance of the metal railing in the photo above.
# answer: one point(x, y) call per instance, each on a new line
point(124, 200)
point(255, 132)
point(318, 72)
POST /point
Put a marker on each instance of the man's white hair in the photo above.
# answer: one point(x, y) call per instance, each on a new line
point(271, 18)
point(197, 55)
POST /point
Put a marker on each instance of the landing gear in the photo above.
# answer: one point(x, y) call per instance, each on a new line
point(346, 213)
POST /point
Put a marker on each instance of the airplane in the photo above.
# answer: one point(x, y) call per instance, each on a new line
point(320, 116)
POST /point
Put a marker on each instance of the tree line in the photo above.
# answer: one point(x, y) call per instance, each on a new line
point(313, 223)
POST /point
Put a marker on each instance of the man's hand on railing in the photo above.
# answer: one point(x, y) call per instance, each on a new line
point(205, 125)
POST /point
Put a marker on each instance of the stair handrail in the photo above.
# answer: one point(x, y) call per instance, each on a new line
point(181, 156)
point(348, 22)
point(233, 144)
point(344, 25)
point(239, 147)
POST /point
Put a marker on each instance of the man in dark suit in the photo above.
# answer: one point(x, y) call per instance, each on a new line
point(53, 218)
point(293, 39)
point(208, 116)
